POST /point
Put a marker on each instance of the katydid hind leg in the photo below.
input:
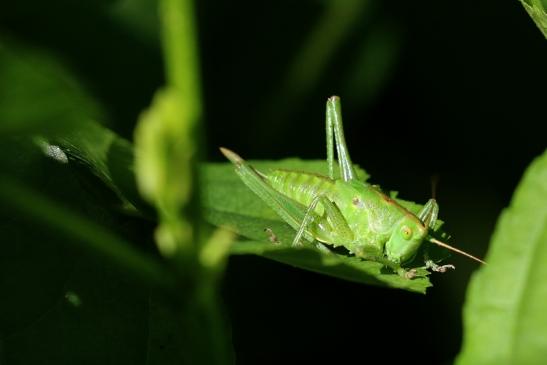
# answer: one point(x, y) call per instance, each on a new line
point(336, 127)
point(292, 212)
point(289, 210)
point(330, 142)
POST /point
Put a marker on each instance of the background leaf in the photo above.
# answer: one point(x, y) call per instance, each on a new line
point(59, 302)
point(38, 94)
point(505, 316)
point(108, 156)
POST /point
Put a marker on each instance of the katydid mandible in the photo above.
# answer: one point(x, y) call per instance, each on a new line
point(344, 211)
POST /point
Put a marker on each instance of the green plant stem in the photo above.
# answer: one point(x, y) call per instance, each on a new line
point(180, 51)
point(168, 144)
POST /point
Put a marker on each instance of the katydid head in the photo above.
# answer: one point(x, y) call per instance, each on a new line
point(405, 240)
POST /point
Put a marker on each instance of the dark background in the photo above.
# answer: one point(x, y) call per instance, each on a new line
point(452, 89)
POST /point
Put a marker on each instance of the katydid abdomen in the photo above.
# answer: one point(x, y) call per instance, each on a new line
point(370, 214)
point(301, 186)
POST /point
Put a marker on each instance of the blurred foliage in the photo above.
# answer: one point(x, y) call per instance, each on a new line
point(505, 317)
point(108, 156)
point(56, 236)
point(167, 143)
point(37, 94)
point(536, 10)
point(62, 132)
point(164, 139)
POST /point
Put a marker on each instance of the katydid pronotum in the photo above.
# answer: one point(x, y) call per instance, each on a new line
point(345, 211)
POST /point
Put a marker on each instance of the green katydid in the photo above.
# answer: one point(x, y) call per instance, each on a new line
point(344, 211)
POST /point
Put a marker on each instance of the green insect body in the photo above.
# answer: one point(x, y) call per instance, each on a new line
point(375, 221)
point(343, 211)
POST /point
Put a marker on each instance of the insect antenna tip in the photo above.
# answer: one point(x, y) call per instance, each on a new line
point(447, 246)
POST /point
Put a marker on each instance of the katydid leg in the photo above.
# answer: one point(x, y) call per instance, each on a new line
point(335, 126)
point(289, 210)
point(308, 218)
point(429, 213)
point(331, 227)
point(430, 264)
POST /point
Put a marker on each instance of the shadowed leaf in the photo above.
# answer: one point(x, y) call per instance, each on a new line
point(38, 94)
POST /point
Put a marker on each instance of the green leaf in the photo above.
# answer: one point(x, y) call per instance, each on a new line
point(228, 202)
point(536, 10)
point(107, 156)
point(345, 267)
point(505, 316)
point(66, 303)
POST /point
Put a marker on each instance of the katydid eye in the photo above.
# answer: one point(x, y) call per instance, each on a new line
point(406, 231)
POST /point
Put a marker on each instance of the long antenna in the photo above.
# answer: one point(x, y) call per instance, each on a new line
point(447, 246)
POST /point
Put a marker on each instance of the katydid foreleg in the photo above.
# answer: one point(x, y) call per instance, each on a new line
point(429, 213)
